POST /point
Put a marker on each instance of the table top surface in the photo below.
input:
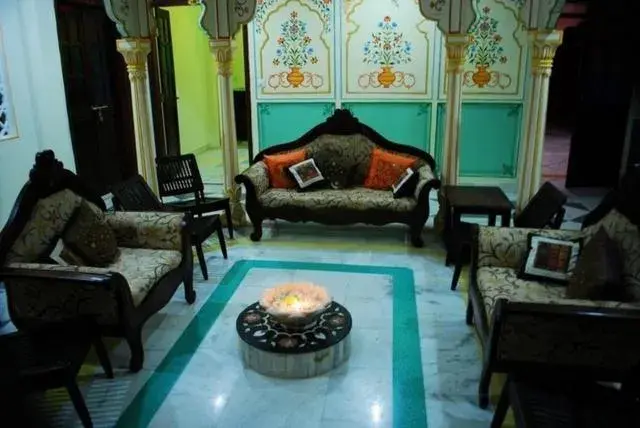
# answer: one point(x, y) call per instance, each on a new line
point(486, 197)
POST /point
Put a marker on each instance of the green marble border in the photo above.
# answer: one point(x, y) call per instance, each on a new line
point(409, 408)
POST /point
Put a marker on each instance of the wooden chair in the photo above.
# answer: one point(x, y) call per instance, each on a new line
point(134, 194)
point(179, 176)
point(545, 209)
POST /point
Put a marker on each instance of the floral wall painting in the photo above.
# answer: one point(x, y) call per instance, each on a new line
point(386, 49)
point(484, 51)
point(294, 50)
point(495, 58)
point(294, 55)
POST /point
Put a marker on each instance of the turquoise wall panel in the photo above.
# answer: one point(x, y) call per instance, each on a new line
point(405, 123)
point(489, 139)
point(283, 122)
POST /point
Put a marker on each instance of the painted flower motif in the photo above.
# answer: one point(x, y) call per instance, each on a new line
point(387, 46)
point(288, 342)
point(485, 47)
point(294, 44)
point(336, 320)
point(314, 60)
point(252, 318)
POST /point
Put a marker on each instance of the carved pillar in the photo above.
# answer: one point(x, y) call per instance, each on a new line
point(135, 51)
point(223, 54)
point(456, 45)
point(543, 45)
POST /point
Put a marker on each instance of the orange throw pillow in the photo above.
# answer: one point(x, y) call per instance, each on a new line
point(386, 168)
point(277, 166)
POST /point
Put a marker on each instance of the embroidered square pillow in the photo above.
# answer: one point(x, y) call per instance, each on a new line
point(386, 168)
point(406, 184)
point(278, 166)
point(307, 175)
point(550, 259)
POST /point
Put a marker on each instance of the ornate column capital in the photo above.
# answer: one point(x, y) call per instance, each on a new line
point(135, 51)
point(544, 44)
point(456, 46)
point(223, 52)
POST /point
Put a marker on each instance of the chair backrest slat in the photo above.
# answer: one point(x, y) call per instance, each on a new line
point(179, 175)
point(135, 194)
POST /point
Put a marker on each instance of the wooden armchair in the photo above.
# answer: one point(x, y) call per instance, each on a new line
point(154, 259)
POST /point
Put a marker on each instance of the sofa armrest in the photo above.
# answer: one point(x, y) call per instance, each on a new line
point(42, 293)
point(156, 230)
point(598, 340)
point(426, 181)
point(255, 178)
point(506, 246)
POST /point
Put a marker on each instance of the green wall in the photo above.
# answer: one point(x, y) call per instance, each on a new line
point(196, 81)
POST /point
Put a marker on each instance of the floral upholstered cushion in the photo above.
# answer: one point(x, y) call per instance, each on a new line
point(258, 174)
point(357, 198)
point(278, 165)
point(503, 283)
point(48, 220)
point(386, 168)
point(141, 267)
point(156, 230)
point(343, 159)
point(627, 236)
point(88, 235)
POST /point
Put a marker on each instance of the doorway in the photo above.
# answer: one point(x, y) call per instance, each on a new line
point(97, 94)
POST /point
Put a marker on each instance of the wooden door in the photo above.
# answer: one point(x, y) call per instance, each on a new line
point(87, 45)
point(163, 83)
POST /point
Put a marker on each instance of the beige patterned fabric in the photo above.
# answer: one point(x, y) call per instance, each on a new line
point(141, 267)
point(503, 283)
point(342, 157)
point(48, 219)
point(627, 236)
point(156, 230)
point(358, 198)
point(506, 246)
point(258, 174)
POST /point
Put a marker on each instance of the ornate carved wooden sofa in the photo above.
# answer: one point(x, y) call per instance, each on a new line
point(349, 144)
point(154, 259)
point(528, 325)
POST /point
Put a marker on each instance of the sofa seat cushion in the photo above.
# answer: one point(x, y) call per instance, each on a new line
point(357, 198)
point(503, 283)
point(143, 267)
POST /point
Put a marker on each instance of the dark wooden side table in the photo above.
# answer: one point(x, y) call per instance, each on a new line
point(481, 200)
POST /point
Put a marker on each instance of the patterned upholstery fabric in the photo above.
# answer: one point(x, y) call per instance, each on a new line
point(342, 158)
point(503, 283)
point(627, 236)
point(155, 230)
point(141, 267)
point(353, 199)
point(47, 222)
point(258, 174)
point(425, 175)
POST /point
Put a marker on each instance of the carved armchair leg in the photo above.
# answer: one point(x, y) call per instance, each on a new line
point(469, 315)
point(256, 235)
point(415, 232)
point(134, 339)
point(189, 292)
point(483, 387)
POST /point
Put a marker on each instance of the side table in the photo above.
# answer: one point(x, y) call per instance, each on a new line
point(460, 200)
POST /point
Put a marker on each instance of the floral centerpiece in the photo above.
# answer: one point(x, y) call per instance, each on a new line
point(294, 48)
point(295, 304)
point(485, 48)
point(387, 48)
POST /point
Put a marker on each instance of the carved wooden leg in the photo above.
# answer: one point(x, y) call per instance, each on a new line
point(189, 292)
point(256, 235)
point(134, 339)
point(503, 407)
point(469, 316)
point(79, 403)
point(483, 387)
point(416, 235)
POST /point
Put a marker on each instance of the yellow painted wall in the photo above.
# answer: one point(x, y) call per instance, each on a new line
point(196, 81)
point(238, 62)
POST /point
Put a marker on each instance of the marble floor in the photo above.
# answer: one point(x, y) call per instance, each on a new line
point(414, 361)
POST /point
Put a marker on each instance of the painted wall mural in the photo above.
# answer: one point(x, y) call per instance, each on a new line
point(495, 58)
point(386, 49)
point(294, 46)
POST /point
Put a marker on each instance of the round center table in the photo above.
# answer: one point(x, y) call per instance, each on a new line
point(271, 349)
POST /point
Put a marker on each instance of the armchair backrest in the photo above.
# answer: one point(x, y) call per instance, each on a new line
point(43, 207)
point(545, 209)
point(179, 175)
point(135, 194)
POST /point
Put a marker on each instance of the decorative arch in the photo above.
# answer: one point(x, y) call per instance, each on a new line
point(221, 19)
